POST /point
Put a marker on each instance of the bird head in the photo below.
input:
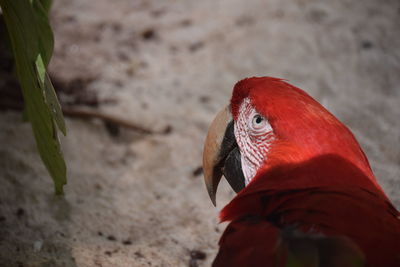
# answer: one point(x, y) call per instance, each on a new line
point(269, 123)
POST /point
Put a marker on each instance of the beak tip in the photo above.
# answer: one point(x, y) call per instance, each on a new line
point(213, 200)
point(212, 195)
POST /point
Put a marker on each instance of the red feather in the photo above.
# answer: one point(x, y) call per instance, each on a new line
point(316, 180)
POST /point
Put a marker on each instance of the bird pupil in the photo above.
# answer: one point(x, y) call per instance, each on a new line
point(258, 119)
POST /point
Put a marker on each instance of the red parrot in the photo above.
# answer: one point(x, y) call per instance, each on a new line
point(306, 194)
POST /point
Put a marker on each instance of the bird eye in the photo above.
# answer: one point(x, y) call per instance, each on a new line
point(258, 122)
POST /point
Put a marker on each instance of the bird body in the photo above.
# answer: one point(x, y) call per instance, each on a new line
point(311, 198)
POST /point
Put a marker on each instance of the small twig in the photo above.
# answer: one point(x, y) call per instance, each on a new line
point(91, 114)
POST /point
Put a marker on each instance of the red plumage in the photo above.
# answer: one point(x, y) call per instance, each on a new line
point(316, 180)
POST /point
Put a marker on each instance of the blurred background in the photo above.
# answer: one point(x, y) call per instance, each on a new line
point(138, 199)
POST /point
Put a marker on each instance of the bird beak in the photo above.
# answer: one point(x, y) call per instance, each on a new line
point(221, 155)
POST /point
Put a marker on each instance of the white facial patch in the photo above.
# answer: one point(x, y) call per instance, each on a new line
point(254, 136)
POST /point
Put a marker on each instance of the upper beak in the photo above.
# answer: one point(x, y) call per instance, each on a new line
point(221, 155)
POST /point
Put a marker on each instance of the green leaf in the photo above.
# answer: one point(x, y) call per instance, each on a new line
point(32, 44)
point(45, 34)
point(46, 5)
point(50, 95)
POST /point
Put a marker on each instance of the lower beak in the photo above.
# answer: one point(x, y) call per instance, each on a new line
point(221, 155)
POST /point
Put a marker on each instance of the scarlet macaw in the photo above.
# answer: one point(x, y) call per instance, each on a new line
point(306, 193)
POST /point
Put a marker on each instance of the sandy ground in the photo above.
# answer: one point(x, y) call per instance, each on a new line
point(137, 200)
